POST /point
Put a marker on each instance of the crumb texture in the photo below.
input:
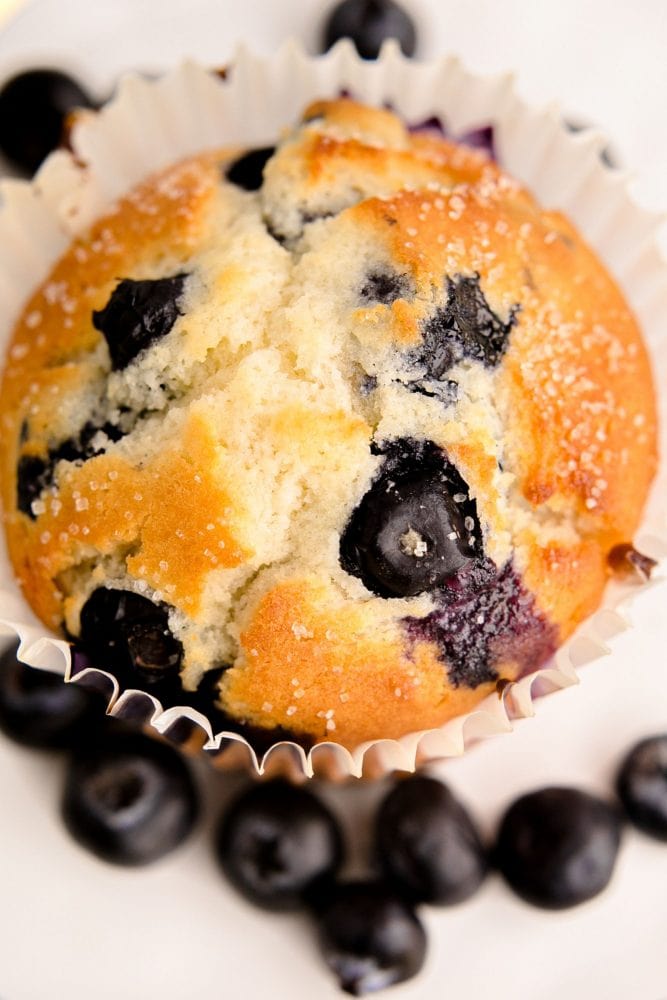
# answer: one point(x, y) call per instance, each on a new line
point(356, 416)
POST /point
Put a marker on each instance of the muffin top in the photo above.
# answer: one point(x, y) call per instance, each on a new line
point(353, 423)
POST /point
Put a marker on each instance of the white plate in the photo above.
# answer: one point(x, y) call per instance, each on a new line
point(74, 928)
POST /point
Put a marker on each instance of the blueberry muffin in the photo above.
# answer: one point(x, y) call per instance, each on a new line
point(339, 433)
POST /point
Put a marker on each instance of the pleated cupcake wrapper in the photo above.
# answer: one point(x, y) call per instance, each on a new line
point(152, 123)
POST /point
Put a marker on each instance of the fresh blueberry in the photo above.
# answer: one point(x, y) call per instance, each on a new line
point(385, 287)
point(137, 314)
point(557, 847)
point(129, 798)
point(642, 786)
point(369, 23)
point(38, 709)
point(370, 937)
point(415, 528)
point(33, 109)
point(465, 327)
point(248, 171)
point(276, 843)
point(428, 846)
point(129, 635)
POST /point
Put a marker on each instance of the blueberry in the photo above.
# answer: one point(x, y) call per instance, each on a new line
point(129, 635)
point(385, 287)
point(129, 798)
point(248, 171)
point(480, 138)
point(465, 327)
point(428, 846)
point(33, 109)
point(276, 843)
point(415, 528)
point(557, 847)
point(369, 23)
point(34, 474)
point(38, 709)
point(137, 314)
point(642, 786)
point(370, 937)
point(482, 618)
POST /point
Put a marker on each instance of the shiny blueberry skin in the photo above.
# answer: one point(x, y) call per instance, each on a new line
point(38, 709)
point(129, 798)
point(642, 786)
point(557, 847)
point(248, 171)
point(408, 534)
point(369, 23)
point(369, 936)
point(33, 109)
point(138, 314)
point(129, 635)
point(276, 843)
point(428, 846)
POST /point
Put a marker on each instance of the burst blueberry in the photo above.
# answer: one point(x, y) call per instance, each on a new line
point(369, 23)
point(415, 528)
point(642, 786)
point(370, 937)
point(129, 798)
point(33, 108)
point(385, 287)
point(138, 314)
point(466, 327)
point(428, 846)
point(557, 847)
point(34, 474)
point(276, 843)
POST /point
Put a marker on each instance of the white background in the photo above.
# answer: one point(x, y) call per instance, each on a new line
point(74, 929)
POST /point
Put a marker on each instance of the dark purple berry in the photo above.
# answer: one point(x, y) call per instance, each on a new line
point(129, 798)
point(276, 843)
point(34, 474)
point(484, 617)
point(38, 709)
point(557, 847)
point(465, 327)
point(428, 846)
point(480, 138)
point(248, 171)
point(370, 937)
point(33, 109)
point(137, 314)
point(415, 528)
point(642, 786)
point(369, 23)
point(129, 635)
point(385, 287)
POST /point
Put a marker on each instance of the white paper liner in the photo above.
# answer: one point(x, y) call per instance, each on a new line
point(152, 123)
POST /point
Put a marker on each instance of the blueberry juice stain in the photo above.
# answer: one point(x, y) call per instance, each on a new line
point(484, 617)
point(417, 531)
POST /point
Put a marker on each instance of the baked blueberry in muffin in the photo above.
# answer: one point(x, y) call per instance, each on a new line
point(351, 424)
